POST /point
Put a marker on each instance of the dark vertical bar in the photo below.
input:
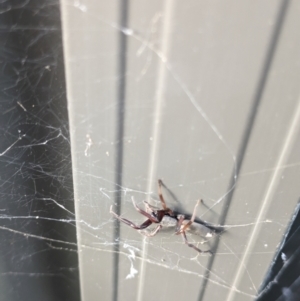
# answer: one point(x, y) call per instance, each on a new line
point(248, 129)
point(119, 139)
point(35, 158)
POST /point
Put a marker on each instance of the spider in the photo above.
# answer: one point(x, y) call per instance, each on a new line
point(168, 218)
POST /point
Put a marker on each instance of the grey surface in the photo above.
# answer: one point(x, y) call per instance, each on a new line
point(211, 106)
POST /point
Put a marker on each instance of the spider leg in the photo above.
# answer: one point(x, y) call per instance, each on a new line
point(151, 233)
point(193, 246)
point(144, 225)
point(186, 226)
point(179, 223)
point(149, 206)
point(195, 211)
point(161, 195)
point(141, 211)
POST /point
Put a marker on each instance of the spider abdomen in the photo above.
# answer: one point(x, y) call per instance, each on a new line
point(168, 221)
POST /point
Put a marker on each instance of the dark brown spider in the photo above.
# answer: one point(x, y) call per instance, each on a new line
point(167, 218)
